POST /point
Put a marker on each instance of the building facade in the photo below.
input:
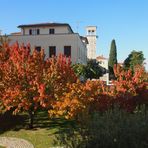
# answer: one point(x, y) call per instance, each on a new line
point(54, 38)
point(103, 62)
point(91, 36)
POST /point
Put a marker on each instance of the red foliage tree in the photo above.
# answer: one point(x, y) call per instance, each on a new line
point(28, 81)
point(130, 88)
point(21, 76)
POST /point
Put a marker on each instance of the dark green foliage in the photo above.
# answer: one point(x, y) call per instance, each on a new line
point(112, 129)
point(79, 69)
point(133, 59)
point(112, 58)
point(90, 71)
point(93, 70)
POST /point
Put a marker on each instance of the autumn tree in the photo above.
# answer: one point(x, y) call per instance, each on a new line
point(21, 79)
point(4, 40)
point(130, 88)
point(57, 78)
point(30, 82)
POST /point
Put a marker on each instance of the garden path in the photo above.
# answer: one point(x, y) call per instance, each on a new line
point(10, 142)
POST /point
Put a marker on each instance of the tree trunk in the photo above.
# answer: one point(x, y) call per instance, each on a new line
point(31, 118)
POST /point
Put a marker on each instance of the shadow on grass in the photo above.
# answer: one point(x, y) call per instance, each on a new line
point(41, 121)
point(12, 122)
point(62, 125)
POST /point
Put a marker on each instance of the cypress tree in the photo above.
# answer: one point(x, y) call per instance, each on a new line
point(112, 58)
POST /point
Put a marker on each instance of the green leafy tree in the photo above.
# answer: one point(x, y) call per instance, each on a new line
point(80, 70)
point(112, 58)
point(90, 71)
point(133, 59)
point(93, 70)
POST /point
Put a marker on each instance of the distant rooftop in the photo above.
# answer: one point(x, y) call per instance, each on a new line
point(16, 33)
point(101, 58)
point(49, 24)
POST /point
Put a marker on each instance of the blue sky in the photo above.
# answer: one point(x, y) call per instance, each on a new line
point(126, 21)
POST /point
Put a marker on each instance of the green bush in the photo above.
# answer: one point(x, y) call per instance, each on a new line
point(90, 71)
point(112, 129)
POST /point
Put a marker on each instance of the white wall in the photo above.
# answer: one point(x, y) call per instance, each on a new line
point(103, 63)
point(45, 30)
point(91, 53)
point(78, 48)
point(92, 39)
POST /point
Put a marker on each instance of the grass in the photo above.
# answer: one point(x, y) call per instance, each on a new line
point(43, 133)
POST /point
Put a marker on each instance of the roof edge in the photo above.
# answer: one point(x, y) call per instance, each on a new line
point(46, 24)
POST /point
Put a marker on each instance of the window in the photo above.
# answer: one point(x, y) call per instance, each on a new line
point(51, 31)
point(34, 31)
point(67, 51)
point(52, 51)
point(30, 31)
point(38, 48)
point(38, 31)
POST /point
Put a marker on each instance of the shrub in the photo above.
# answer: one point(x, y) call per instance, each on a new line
point(112, 129)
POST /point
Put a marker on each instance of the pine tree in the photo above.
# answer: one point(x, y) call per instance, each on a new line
point(112, 58)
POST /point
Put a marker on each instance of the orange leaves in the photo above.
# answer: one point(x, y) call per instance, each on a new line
point(21, 75)
point(129, 86)
point(28, 82)
point(41, 89)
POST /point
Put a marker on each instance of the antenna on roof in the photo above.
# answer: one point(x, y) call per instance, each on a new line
point(77, 25)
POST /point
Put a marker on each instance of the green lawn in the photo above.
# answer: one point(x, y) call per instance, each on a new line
point(43, 134)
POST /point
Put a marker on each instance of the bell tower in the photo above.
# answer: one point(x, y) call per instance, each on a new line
point(91, 35)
